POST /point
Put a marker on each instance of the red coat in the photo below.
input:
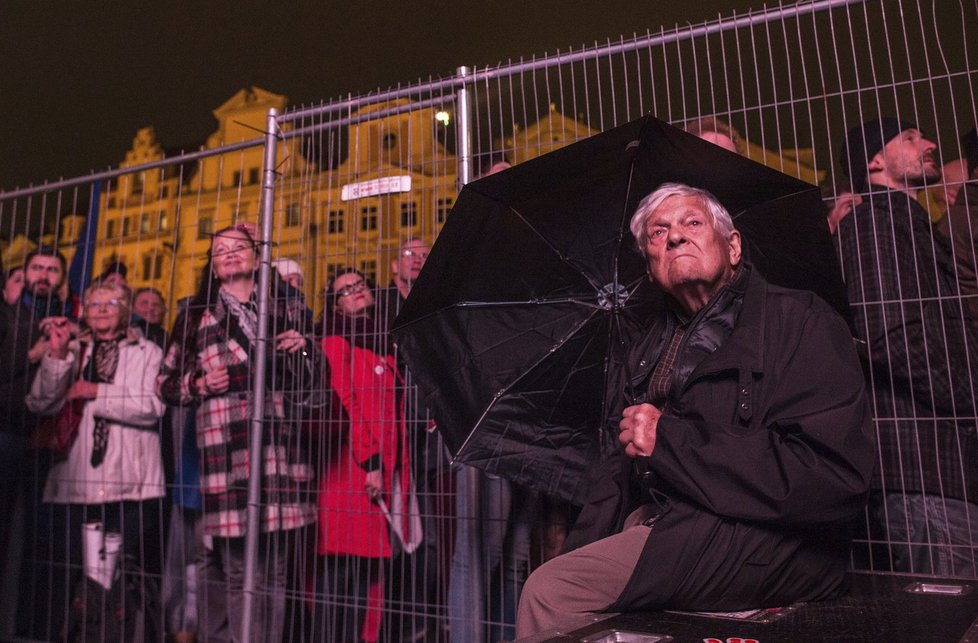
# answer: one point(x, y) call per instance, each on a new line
point(371, 431)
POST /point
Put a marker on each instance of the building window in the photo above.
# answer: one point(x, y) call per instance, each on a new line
point(205, 224)
point(126, 226)
point(293, 215)
point(152, 267)
point(444, 207)
point(164, 191)
point(236, 180)
point(253, 175)
point(111, 202)
point(369, 268)
point(164, 220)
point(144, 223)
point(110, 228)
point(239, 212)
point(137, 183)
point(332, 269)
point(334, 221)
point(409, 214)
point(368, 218)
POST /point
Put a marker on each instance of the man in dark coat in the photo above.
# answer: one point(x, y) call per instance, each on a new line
point(416, 589)
point(21, 347)
point(747, 442)
point(919, 354)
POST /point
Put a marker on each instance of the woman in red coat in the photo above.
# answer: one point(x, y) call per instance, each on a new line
point(366, 468)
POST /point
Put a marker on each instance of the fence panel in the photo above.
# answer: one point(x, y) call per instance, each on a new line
point(362, 188)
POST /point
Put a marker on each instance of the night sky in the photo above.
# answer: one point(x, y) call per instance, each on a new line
point(77, 79)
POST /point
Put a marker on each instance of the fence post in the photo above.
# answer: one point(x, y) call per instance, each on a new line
point(258, 376)
point(468, 596)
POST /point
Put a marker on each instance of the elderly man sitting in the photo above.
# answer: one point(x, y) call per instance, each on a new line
point(747, 450)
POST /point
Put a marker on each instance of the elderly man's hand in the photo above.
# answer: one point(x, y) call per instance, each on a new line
point(638, 425)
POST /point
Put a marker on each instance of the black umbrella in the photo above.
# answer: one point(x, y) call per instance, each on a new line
point(535, 279)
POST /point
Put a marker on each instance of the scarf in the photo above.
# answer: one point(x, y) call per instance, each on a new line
point(245, 313)
point(101, 369)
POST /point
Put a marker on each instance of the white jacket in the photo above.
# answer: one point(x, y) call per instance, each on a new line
point(132, 468)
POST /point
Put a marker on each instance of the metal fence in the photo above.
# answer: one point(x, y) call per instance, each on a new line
point(347, 184)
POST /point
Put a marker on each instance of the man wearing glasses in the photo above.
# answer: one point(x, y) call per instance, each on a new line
point(418, 585)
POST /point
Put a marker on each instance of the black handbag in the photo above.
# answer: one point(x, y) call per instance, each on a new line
point(305, 384)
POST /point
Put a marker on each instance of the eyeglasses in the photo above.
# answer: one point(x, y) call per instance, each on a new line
point(109, 303)
point(420, 254)
point(355, 287)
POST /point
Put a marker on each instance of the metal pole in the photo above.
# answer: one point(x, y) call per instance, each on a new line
point(464, 133)
point(469, 497)
point(258, 377)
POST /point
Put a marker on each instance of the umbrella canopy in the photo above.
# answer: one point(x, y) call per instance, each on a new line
point(535, 280)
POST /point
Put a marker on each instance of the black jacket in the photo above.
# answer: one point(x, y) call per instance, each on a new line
point(917, 348)
point(18, 333)
point(764, 451)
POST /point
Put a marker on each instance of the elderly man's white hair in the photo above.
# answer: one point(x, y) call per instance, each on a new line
point(722, 222)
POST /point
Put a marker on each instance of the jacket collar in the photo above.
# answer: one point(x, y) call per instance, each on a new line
point(739, 350)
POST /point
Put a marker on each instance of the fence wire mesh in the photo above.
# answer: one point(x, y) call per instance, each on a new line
point(358, 191)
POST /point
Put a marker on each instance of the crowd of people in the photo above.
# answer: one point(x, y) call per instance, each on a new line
point(117, 429)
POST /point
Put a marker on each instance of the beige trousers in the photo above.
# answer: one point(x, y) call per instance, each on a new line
point(561, 593)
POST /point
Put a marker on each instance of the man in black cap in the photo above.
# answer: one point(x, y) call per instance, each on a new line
point(907, 312)
point(115, 272)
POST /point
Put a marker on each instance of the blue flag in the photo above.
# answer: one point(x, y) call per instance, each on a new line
point(80, 272)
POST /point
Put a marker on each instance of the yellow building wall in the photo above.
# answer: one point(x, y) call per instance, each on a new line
point(159, 222)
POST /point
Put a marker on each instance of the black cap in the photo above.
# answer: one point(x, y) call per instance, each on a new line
point(863, 142)
point(116, 267)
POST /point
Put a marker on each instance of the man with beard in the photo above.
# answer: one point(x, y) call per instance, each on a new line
point(21, 347)
point(908, 315)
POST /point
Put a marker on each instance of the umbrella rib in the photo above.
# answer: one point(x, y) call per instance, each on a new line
point(563, 340)
point(564, 258)
point(533, 302)
point(734, 215)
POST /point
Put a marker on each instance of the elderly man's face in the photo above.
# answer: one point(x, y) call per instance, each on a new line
point(908, 159)
point(410, 260)
point(149, 306)
point(685, 252)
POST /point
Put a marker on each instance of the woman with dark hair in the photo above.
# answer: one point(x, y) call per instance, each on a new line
point(366, 470)
point(209, 364)
point(112, 473)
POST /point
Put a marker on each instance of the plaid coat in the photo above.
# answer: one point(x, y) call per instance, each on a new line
point(223, 423)
point(917, 348)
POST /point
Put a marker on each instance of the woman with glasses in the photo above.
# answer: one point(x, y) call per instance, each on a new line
point(112, 473)
point(365, 470)
point(210, 364)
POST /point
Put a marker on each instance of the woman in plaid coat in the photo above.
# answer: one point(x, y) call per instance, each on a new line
point(210, 365)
